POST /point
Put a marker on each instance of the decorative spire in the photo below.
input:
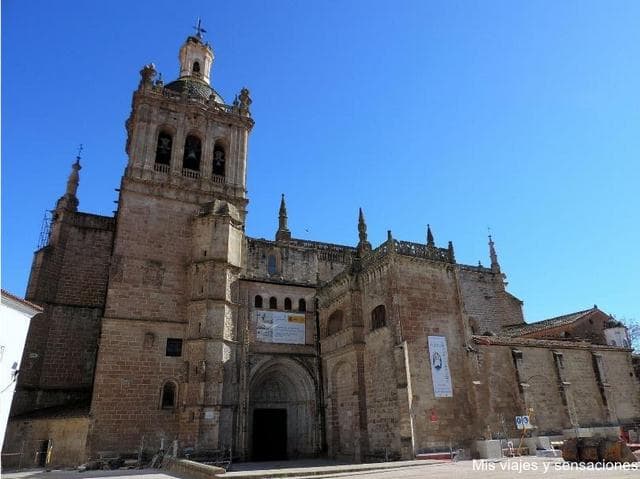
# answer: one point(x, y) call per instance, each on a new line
point(362, 226)
point(495, 266)
point(452, 255)
point(69, 201)
point(283, 233)
point(363, 245)
point(430, 241)
point(391, 244)
point(282, 213)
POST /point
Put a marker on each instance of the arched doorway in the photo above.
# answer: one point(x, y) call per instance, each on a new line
point(282, 420)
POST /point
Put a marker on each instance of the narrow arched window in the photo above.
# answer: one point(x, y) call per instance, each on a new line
point(378, 317)
point(219, 159)
point(257, 302)
point(273, 303)
point(287, 304)
point(271, 264)
point(192, 151)
point(196, 67)
point(169, 393)
point(335, 323)
point(163, 149)
point(302, 305)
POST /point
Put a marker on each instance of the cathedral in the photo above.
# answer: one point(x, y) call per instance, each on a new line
point(166, 327)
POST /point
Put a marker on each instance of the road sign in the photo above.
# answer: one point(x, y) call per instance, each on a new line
point(523, 422)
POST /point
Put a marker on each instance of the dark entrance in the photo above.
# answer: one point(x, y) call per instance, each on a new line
point(269, 434)
point(42, 453)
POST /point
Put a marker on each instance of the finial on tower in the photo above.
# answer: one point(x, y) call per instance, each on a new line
point(430, 241)
point(363, 245)
point(283, 233)
point(495, 266)
point(196, 57)
point(69, 201)
point(199, 30)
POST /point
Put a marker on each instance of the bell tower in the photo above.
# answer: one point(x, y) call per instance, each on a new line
point(172, 303)
point(184, 131)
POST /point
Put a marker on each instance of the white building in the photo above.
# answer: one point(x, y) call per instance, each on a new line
point(618, 336)
point(16, 314)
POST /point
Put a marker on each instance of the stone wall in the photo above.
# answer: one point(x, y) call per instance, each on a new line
point(383, 412)
point(297, 261)
point(69, 280)
point(148, 277)
point(132, 369)
point(67, 436)
point(395, 399)
point(489, 306)
point(497, 392)
point(72, 269)
point(558, 395)
point(384, 398)
point(624, 386)
point(428, 304)
point(343, 410)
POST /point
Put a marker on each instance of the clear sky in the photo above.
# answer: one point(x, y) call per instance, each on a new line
point(519, 116)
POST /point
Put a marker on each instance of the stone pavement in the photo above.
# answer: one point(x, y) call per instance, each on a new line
point(313, 468)
point(72, 473)
point(525, 467)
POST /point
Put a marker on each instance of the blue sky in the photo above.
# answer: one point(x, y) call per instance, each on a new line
point(519, 116)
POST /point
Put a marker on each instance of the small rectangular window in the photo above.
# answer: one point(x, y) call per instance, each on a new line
point(174, 347)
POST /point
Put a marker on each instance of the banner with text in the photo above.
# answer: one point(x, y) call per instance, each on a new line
point(440, 373)
point(279, 327)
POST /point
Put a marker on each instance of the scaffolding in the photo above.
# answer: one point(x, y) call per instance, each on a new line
point(45, 229)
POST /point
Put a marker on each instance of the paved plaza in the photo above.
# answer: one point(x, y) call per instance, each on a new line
point(507, 468)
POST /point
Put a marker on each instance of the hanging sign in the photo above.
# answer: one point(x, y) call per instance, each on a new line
point(440, 373)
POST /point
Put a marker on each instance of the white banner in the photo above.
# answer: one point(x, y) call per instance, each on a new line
point(440, 373)
point(279, 327)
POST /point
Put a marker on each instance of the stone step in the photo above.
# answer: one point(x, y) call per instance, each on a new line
point(441, 456)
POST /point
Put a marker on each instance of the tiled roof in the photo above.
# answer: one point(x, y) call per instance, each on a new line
point(193, 88)
point(524, 329)
point(539, 343)
point(24, 302)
